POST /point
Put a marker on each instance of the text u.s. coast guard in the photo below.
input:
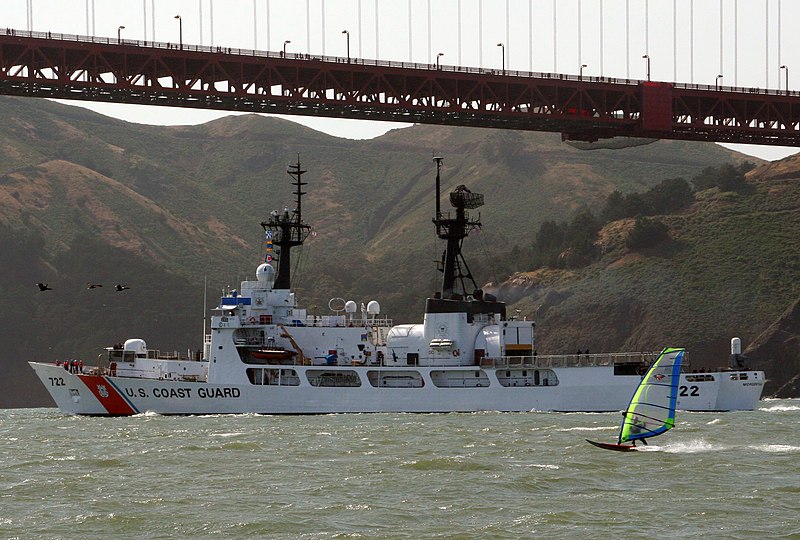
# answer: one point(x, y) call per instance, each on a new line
point(184, 392)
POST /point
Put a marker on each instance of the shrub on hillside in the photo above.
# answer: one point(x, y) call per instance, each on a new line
point(646, 233)
point(667, 197)
point(727, 177)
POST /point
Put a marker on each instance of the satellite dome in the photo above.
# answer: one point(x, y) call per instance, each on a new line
point(350, 307)
point(736, 346)
point(373, 308)
point(137, 345)
point(265, 272)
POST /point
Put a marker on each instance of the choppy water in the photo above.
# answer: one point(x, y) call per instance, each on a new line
point(488, 475)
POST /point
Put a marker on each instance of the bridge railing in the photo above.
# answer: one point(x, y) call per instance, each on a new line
point(218, 49)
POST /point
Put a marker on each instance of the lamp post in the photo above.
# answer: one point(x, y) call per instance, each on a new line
point(119, 33)
point(717, 82)
point(285, 43)
point(787, 77)
point(647, 58)
point(180, 31)
point(347, 33)
point(439, 55)
point(580, 72)
point(503, 53)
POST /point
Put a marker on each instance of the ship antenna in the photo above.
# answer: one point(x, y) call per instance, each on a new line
point(287, 231)
point(438, 160)
point(454, 230)
point(205, 299)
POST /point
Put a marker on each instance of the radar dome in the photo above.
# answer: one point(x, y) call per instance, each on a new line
point(373, 308)
point(137, 345)
point(736, 346)
point(265, 272)
point(350, 307)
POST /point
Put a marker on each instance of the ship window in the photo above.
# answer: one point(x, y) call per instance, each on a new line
point(273, 377)
point(395, 379)
point(333, 378)
point(412, 359)
point(459, 379)
point(527, 377)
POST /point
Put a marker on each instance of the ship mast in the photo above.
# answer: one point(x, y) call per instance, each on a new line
point(454, 230)
point(287, 230)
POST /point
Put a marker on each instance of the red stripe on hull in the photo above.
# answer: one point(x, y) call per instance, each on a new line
point(107, 395)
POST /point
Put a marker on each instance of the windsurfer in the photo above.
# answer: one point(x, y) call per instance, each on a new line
point(637, 426)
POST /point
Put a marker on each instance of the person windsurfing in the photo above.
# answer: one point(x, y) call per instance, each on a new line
point(637, 426)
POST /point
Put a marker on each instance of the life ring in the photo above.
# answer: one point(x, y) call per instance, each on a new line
point(456, 352)
point(252, 320)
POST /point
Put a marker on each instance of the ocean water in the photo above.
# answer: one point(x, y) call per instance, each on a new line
point(486, 475)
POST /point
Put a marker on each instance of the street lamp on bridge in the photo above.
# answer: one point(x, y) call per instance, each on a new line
point(787, 77)
point(347, 33)
point(285, 43)
point(437, 59)
point(580, 71)
point(647, 57)
point(717, 83)
point(180, 31)
point(119, 33)
point(503, 52)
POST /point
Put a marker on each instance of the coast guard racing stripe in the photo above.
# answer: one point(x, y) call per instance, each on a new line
point(108, 395)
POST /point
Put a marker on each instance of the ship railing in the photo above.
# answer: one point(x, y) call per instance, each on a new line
point(334, 322)
point(568, 360)
point(156, 374)
point(187, 356)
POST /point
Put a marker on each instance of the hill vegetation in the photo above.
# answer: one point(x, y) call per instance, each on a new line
point(85, 198)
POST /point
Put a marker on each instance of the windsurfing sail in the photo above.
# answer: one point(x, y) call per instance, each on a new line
point(651, 411)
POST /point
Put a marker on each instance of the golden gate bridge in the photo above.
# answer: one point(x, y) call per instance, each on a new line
point(580, 107)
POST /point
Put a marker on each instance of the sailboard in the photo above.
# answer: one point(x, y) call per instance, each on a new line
point(651, 410)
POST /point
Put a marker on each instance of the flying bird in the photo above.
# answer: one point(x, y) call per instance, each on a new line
point(93, 285)
point(121, 287)
point(43, 287)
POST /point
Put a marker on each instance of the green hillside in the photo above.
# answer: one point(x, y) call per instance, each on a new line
point(87, 198)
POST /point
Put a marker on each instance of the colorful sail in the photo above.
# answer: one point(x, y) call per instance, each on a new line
point(651, 411)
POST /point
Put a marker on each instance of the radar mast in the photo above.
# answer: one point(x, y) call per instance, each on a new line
point(454, 229)
point(287, 230)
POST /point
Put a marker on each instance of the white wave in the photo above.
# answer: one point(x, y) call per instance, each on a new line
point(234, 434)
point(780, 408)
point(146, 414)
point(776, 448)
point(603, 428)
point(690, 447)
point(714, 421)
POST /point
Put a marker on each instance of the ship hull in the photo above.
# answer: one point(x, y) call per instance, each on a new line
point(590, 389)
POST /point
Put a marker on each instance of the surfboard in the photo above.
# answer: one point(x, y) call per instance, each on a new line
point(612, 446)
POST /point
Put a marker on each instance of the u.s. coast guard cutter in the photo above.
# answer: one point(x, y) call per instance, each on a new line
point(265, 354)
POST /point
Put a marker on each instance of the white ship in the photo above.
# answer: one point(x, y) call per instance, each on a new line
point(267, 355)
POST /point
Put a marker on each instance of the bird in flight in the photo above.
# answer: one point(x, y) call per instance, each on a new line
point(121, 287)
point(43, 287)
point(93, 285)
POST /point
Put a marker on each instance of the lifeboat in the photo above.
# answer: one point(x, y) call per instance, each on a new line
point(269, 356)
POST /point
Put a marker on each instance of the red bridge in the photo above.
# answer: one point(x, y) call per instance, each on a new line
point(64, 66)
